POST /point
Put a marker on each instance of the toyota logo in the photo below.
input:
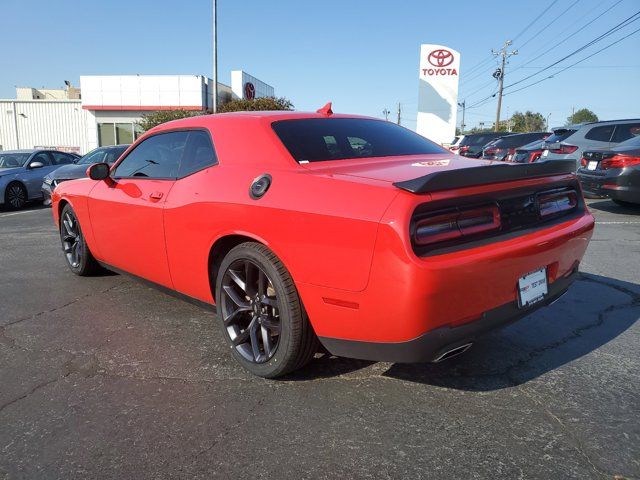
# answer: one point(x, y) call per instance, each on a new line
point(249, 91)
point(440, 58)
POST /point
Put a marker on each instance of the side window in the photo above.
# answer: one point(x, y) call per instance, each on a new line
point(625, 131)
point(198, 154)
point(156, 157)
point(62, 158)
point(600, 134)
point(42, 157)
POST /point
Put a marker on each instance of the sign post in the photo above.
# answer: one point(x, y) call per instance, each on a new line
point(438, 93)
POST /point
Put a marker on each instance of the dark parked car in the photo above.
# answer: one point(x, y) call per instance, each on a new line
point(22, 172)
point(528, 153)
point(79, 169)
point(472, 144)
point(504, 148)
point(613, 173)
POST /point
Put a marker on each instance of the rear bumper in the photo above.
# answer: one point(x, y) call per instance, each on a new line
point(619, 184)
point(433, 344)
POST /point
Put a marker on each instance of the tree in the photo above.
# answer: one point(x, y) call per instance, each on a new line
point(581, 116)
point(262, 103)
point(153, 119)
point(527, 122)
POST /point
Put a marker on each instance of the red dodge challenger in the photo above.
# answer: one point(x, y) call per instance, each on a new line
point(344, 230)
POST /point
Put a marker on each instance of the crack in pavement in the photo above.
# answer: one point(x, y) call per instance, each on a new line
point(55, 309)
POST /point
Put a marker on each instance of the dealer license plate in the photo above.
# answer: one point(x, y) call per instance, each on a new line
point(592, 165)
point(532, 287)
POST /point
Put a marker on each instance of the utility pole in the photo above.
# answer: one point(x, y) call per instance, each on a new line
point(462, 104)
point(399, 110)
point(215, 56)
point(548, 122)
point(386, 113)
point(499, 74)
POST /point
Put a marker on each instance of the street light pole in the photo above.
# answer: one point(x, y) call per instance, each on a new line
point(500, 75)
point(462, 104)
point(215, 56)
point(548, 122)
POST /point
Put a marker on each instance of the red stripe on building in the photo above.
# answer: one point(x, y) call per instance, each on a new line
point(142, 107)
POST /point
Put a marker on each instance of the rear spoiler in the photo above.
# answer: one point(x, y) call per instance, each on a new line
point(470, 177)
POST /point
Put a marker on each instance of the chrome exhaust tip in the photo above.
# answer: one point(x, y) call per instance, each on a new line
point(454, 352)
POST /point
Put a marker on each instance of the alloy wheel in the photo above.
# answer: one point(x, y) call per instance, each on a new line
point(249, 310)
point(71, 239)
point(16, 196)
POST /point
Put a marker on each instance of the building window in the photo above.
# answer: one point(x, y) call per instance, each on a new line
point(118, 133)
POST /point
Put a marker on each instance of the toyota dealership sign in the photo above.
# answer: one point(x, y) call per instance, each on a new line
point(438, 92)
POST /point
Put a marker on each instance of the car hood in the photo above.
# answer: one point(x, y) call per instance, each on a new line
point(69, 172)
point(395, 169)
point(10, 171)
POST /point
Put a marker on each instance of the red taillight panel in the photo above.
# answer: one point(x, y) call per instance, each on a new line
point(619, 161)
point(457, 223)
point(464, 149)
point(557, 203)
point(535, 155)
point(583, 162)
point(564, 149)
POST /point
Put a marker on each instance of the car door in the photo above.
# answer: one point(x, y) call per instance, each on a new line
point(126, 210)
point(33, 176)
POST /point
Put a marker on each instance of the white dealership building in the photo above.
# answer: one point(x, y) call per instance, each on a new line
point(105, 109)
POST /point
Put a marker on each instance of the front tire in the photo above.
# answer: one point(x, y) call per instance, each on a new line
point(15, 196)
point(75, 249)
point(260, 312)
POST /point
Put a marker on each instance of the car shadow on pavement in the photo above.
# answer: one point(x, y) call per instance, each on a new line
point(609, 206)
point(594, 312)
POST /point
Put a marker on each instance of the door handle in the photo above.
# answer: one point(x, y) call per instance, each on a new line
point(156, 195)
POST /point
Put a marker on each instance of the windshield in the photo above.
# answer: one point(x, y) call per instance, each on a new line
point(13, 160)
point(322, 139)
point(108, 155)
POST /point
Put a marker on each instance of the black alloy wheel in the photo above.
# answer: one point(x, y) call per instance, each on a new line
point(15, 196)
point(260, 312)
point(250, 311)
point(74, 246)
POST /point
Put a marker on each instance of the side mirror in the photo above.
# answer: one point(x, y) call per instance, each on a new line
point(36, 165)
point(98, 171)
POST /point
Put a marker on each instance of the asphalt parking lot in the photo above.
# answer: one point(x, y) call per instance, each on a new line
point(104, 377)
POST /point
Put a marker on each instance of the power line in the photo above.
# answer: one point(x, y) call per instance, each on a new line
point(534, 20)
point(612, 30)
point(556, 18)
point(580, 29)
point(574, 64)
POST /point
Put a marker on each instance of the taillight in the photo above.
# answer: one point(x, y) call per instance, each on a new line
point(490, 151)
point(453, 148)
point(619, 161)
point(457, 223)
point(559, 202)
point(564, 149)
point(583, 162)
point(464, 149)
point(534, 156)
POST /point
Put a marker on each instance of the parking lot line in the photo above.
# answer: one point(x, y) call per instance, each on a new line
point(18, 213)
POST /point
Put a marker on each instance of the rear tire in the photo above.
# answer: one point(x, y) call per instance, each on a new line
point(261, 314)
point(75, 248)
point(15, 196)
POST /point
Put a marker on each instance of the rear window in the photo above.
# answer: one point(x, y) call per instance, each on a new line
point(481, 139)
point(625, 131)
point(560, 134)
point(518, 140)
point(322, 139)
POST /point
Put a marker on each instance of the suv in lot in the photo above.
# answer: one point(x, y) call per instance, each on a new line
point(573, 140)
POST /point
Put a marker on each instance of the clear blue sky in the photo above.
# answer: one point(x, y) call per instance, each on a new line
point(362, 55)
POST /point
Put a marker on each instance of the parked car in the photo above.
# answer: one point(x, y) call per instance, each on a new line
point(472, 144)
point(455, 145)
point(504, 148)
point(22, 172)
point(574, 140)
point(79, 168)
point(528, 153)
point(613, 173)
point(369, 251)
